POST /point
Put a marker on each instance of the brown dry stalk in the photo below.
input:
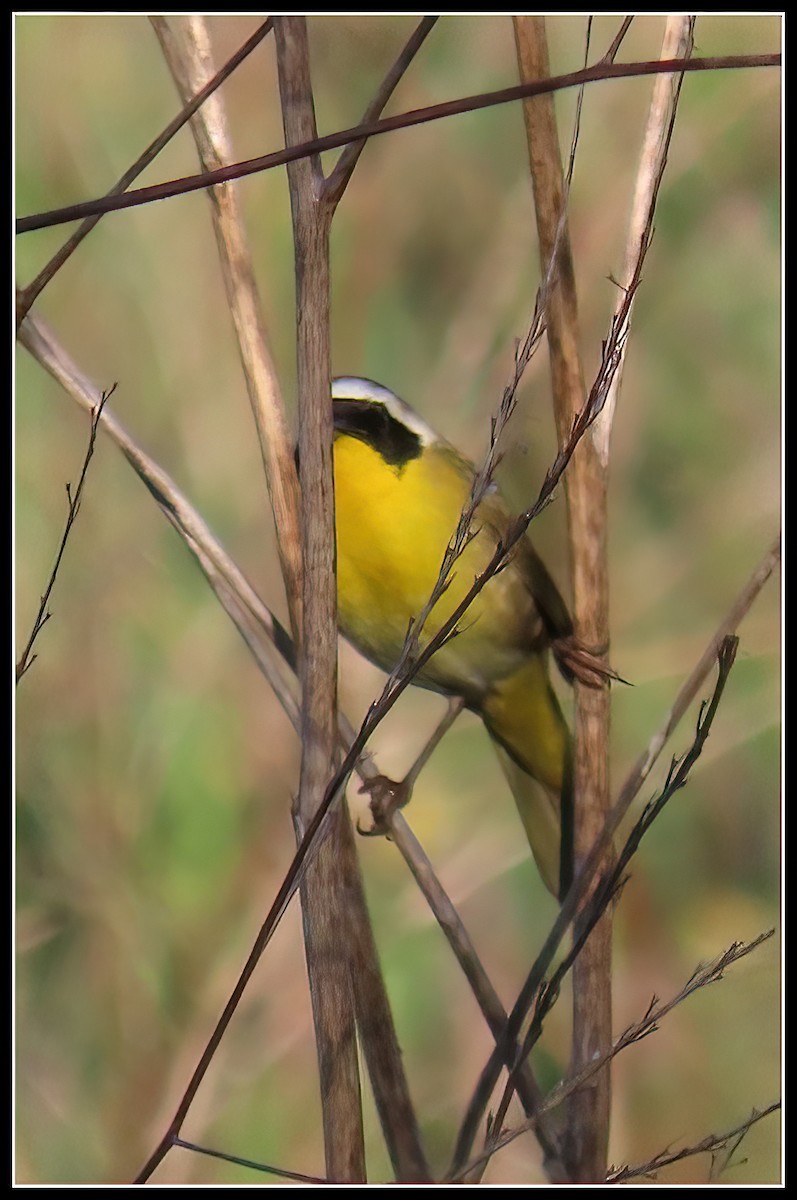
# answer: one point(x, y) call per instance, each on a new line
point(190, 65)
point(586, 875)
point(689, 689)
point(327, 931)
point(708, 1145)
point(188, 52)
point(494, 1013)
point(434, 112)
point(27, 658)
point(338, 178)
point(257, 625)
point(701, 977)
point(678, 43)
point(586, 490)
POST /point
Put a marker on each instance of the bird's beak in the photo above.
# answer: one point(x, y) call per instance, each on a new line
point(348, 415)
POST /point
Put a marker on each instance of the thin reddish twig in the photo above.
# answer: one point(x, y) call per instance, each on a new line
point(420, 116)
point(27, 659)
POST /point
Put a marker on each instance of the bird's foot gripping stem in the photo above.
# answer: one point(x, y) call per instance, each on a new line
point(579, 662)
point(387, 797)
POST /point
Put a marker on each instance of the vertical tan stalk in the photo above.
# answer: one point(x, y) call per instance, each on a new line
point(323, 898)
point(586, 486)
point(191, 63)
point(678, 42)
point(190, 60)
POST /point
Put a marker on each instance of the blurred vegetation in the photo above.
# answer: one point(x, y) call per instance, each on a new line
point(153, 767)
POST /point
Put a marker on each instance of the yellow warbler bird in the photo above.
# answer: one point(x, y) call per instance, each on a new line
point(399, 493)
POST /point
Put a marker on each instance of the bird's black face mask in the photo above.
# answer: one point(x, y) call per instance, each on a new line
point(370, 422)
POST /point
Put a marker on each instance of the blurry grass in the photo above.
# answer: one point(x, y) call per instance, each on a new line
point(153, 767)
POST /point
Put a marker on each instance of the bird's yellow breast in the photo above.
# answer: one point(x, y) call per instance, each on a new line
point(393, 526)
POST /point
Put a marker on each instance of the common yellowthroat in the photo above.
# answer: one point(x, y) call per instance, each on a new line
point(399, 492)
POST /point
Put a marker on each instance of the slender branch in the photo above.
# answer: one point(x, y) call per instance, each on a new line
point(678, 43)
point(216, 564)
point(701, 977)
point(28, 295)
point(544, 995)
point(337, 180)
point(611, 882)
point(434, 112)
point(585, 487)
point(328, 933)
point(618, 39)
point(238, 1161)
point(709, 1145)
point(378, 1036)
point(190, 60)
point(381, 1052)
point(27, 658)
point(492, 1009)
point(585, 875)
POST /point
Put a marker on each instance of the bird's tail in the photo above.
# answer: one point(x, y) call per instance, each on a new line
point(531, 737)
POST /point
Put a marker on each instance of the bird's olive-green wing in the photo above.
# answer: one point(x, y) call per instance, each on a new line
point(493, 513)
point(556, 618)
point(548, 598)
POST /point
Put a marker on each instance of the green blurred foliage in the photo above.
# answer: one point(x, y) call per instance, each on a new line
point(154, 768)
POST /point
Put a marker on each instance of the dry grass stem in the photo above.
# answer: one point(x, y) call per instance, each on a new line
point(701, 977)
point(237, 1160)
point(257, 625)
point(188, 52)
point(585, 488)
point(492, 1009)
point(421, 116)
point(585, 876)
point(711, 1144)
point(689, 689)
point(678, 43)
point(27, 658)
point(617, 41)
point(338, 178)
point(329, 935)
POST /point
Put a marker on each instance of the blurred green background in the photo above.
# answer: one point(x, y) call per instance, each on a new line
point(154, 768)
